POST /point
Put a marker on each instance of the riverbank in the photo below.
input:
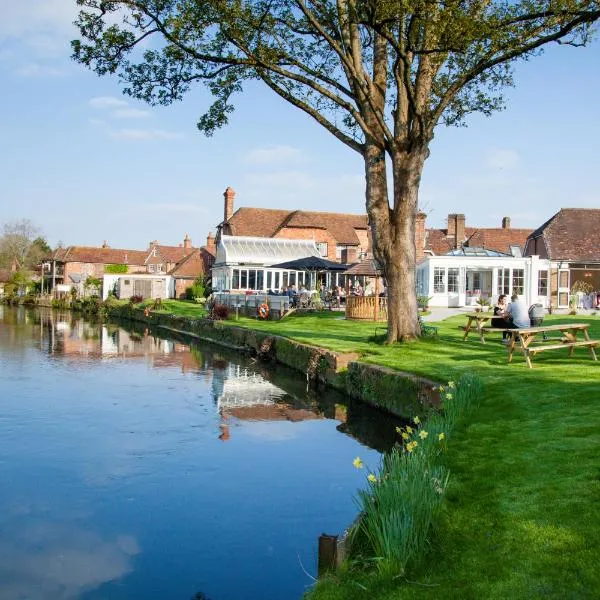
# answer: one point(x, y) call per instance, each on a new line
point(522, 518)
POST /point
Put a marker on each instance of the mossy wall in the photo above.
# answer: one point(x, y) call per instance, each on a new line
point(401, 394)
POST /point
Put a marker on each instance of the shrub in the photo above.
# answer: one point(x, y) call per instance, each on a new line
point(136, 299)
point(220, 311)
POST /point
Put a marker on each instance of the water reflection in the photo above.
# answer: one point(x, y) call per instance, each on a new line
point(143, 467)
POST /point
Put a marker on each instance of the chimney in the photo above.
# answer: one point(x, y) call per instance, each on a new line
point(105, 244)
point(187, 242)
point(229, 195)
point(152, 243)
point(210, 243)
point(420, 235)
point(505, 222)
point(456, 229)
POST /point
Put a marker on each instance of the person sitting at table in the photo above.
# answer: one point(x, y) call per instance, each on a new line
point(518, 313)
point(499, 318)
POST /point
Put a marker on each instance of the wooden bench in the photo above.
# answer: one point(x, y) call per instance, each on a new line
point(569, 331)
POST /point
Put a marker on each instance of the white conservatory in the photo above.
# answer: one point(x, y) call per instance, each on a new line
point(465, 276)
point(243, 263)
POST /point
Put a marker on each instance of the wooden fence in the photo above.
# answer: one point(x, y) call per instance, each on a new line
point(366, 307)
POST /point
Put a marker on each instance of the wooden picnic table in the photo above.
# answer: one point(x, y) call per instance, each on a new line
point(478, 321)
point(569, 331)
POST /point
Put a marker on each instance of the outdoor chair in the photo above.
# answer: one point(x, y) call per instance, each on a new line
point(427, 330)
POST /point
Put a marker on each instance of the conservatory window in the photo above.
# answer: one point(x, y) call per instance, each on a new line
point(518, 278)
point(453, 280)
point(439, 280)
point(243, 279)
point(235, 282)
point(543, 283)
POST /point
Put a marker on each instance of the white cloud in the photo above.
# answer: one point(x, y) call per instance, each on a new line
point(131, 113)
point(274, 155)
point(144, 134)
point(37, 70)
point(26, 17)
point(107, 102)
point(499, 158)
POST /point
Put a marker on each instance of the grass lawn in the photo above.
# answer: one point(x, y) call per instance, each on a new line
point(522, 512)
point(180, 308)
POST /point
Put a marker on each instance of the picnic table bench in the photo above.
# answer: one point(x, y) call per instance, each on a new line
point(477, 322)
point(526, 337)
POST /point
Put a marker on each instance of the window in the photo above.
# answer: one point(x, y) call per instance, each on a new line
point(269, 279)
point(252, 279)
point(126, 282)
point(543, 283)
point(276, 281)
point(503, 281)
point(243, 279)
point(518, 277)
point(322, 248)
point(284, 279)
point(151, 268)
point(155, 252)
point(477, 281)
point(292, 278)
point(453, 280)
point(259, 280)
point(235, 282)
point(563, 279)
point(338, 250)
point(439, 280)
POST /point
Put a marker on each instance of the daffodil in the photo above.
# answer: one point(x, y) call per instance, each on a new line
point(371, 478)
point(423, 434)
point(411, 446)
point(449, 396)
point(451, 384)
point(441, 388)
point(398, 429)
point(416, 420)
point(409, 429)
point(405, 435)
point(441, 436)
point(358, 463)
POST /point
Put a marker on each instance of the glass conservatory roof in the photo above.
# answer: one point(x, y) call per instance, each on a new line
point(467, 251)
point(237, 249)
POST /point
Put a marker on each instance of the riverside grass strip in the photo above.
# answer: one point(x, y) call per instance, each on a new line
point(521, 517)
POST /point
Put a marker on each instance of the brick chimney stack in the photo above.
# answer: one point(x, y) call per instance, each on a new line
point(456, 229)
point(187, 242)
point(505, 222)
point(105, 244)
point(420, 235)
point(229, 196)
point(211, 245)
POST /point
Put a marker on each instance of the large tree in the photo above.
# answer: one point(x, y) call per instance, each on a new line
point(22, 243)
point(379, 75)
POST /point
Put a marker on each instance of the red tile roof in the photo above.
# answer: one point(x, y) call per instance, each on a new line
point(266, 222)
point(91, 254)
point(172, 254)
point(491, 238)
point(197, 263)
point(571, 234)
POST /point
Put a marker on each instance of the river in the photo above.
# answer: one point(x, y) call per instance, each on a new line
point(135, 465)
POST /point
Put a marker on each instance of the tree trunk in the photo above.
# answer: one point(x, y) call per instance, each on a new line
point(393, 232)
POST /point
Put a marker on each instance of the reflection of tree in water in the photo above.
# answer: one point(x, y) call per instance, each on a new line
point(200, 596)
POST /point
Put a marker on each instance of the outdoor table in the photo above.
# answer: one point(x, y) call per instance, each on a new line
point(477, 321)
point(569, 340)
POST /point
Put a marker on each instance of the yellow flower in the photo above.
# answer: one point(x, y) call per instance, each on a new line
point(405, 435)
point(451, 384)
point(371, 478)
point(416, 420)
point(398, 429)
point(423, 434)
point(358, 463)
point(409, 429)
point(441, 436)
point(441, 388)
point(448, 396)
point(411, 446)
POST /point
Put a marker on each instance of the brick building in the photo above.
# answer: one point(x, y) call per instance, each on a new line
point(340, 237)
point(570, 240)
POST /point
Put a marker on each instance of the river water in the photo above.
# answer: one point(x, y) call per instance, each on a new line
point(135, 466)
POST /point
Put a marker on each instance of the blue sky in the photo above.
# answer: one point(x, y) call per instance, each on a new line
point(88, 164)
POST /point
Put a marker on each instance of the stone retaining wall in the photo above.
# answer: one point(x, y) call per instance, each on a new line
point(402, 394)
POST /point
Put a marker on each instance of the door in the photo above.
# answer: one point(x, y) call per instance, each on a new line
point(563, 288)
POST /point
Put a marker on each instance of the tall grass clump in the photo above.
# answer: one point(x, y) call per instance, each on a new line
point(402, 501)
